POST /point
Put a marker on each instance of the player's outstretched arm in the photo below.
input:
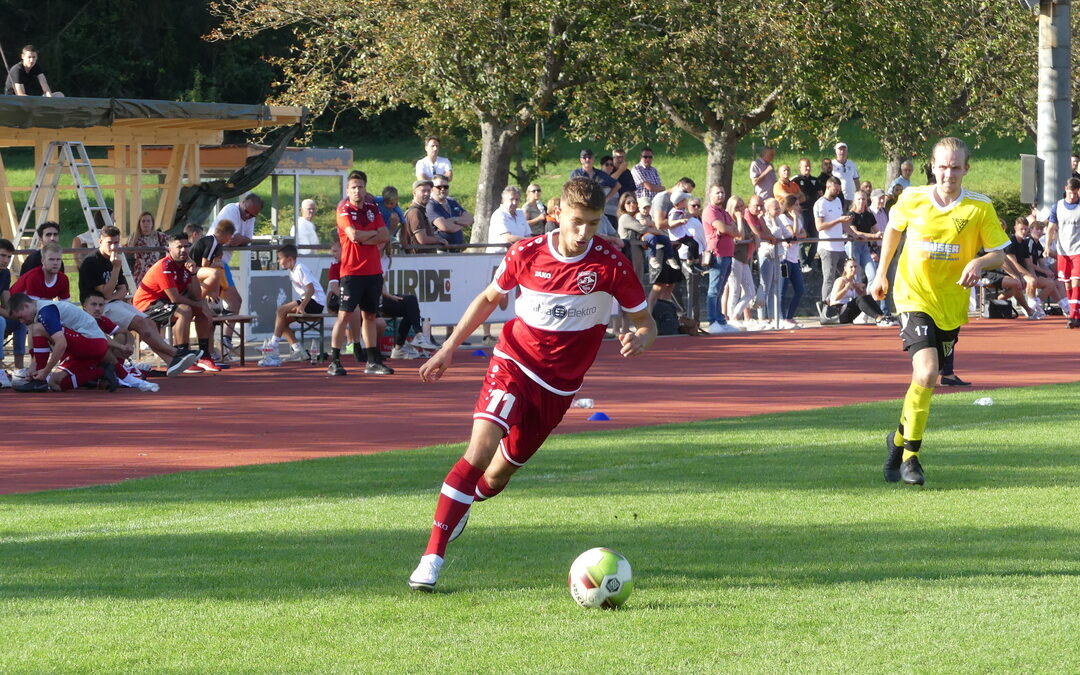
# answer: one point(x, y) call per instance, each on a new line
point(641, 338)
point(879, 288)
point(477, 313)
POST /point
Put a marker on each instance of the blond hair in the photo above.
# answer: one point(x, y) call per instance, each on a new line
point(953, 144)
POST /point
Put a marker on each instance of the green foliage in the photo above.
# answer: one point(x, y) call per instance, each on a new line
point(761, 544)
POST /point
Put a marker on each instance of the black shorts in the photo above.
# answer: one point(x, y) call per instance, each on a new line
point(361, 291)
point(994, 278)
point(312, 307)
point(160, 312)
point(918, 331)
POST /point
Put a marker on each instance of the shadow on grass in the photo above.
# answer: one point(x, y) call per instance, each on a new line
point(374, 562)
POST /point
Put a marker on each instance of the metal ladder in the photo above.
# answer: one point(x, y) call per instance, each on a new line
point(73, 155)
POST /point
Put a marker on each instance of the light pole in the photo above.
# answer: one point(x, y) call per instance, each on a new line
point(1054, 133)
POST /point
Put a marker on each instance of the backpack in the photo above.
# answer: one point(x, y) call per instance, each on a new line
point(999, 309)
point(666, 316)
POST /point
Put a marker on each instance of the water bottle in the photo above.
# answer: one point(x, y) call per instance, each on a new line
point(985, 400)
point(313, 353)
point(583, 403)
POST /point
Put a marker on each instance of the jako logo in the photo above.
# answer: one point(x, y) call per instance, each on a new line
point(543, 275)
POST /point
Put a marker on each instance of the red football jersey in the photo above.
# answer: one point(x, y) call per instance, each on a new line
point(358, 259)
point(334, 273)
point(165, 273)
point(563, 308)
point(106, 325)
point(33, 284)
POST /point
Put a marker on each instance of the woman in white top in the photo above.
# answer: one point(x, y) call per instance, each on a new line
point(849, 299)
point(791, 232)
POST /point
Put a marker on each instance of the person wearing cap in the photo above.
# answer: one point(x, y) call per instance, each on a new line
point(535, 211)
point(762, 173)
point(587, 170)
point(448, 216)
point(845, 169)
point(646, 177)
point(904, 179)
point(417, 230)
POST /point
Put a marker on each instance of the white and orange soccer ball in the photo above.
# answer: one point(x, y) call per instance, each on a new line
point(600, 578)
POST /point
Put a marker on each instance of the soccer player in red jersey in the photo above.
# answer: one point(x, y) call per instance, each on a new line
point(47, 282)
point(360, 230)
point(567, 279)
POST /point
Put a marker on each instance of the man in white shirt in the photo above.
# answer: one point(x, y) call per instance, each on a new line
point(845, 169)
point(304, 232)
point(904, 179)
point(242, 215)
point(831, 224)
point(508, 222)
point(431, 165)
point(762, 173)
point(310, 299)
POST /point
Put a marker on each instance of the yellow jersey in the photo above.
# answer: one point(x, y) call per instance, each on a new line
point(941, 241)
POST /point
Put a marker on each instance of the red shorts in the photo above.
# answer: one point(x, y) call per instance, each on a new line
point(82, 359)
point(1068, 267)
point(525, 410)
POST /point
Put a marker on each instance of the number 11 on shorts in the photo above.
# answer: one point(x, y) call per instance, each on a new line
point(499, 396)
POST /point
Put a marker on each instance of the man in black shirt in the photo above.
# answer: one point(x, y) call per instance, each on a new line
point(812, 188)
point(48, 233)
point(102, 272)
point(26, 78)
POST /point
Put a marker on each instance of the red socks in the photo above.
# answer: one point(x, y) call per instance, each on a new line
point(41, 349)
point(1074, 302)
point(455, 498)
point(484, 491)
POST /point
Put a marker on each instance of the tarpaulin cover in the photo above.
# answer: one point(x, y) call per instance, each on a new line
point(28, 112)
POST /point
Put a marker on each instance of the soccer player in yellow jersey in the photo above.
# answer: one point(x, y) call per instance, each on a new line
point(946, 227)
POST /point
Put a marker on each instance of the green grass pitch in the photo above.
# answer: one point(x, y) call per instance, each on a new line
point(761, 544)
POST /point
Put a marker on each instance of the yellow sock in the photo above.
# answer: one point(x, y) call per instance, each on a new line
point(908, 455)
point(898, 437)
point(916, 411)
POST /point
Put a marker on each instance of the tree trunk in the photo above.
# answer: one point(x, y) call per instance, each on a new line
point(892, 167)
point(498, 143)
point(721, 160)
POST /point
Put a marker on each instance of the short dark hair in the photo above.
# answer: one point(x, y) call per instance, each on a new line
point(6, 245)
point(433, 138)
point(646, 149)
point(92, 294)
point(192, 228)
point(289, 251)
point(605, 159)
point(253, 198)
point(179, 236)
point(28, 48)
point(46, 225)
point(687, 181)
point(1073, 183)
point(110, 231)
point(18, 301)
point(834, 180)
point(583, 192)
point(357, 173)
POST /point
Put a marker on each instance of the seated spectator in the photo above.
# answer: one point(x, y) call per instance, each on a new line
point(8, 324)
point(207, 259)
point(406, 309)
point(26, 78)
point(83, 241)
point(47, 233)
point(448, 216)
point(69, 349)
point(310, 299)
point(417, 231)
point(431, 165)
point(170, 294)
point(785, 186)
point(304, 232)
point(101, 273)
point(146, 235)
point(535, 212)
point(849, 299)
point(390, 209)
point(47, 281)
point(866, 186)
point(1036, 287)
point(121, 342)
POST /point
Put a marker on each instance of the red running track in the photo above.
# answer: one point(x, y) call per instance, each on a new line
point(257, 415)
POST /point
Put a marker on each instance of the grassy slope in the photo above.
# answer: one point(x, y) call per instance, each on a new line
point(765, 543)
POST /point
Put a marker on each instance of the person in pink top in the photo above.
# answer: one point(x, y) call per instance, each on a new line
point(720, 231)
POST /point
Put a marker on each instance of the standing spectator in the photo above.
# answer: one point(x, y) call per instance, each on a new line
point(904, 179)
point(304, 232)
point(831, 224)
point(812, 189)
point(845, 169)
point(611, 206)
point(662, 202)
point(48, 233)
point(763, 174)
point(863, 231)
point(535, 212)
point(390, 208)
point(360, 231)
point(8, 324)
point(242, 215)
point(825, 175)
point(1076, 166)
point(431, 165)
point(418, 230)
point(677, 231)
point(785, 186)
point(646, 178)
point(636, 226)
point(770, 261)
point(878, 198)
point(610, 185)
point(740, 288)
point(791, 272)
point(622, 172)
point(448, 216)
point(1063, 235)
point(720, 232)
point(26, 78)
point(508, 222)
point(47, 281)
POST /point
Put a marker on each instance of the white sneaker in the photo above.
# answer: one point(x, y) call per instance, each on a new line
point(404, 352)
point(715, 329)
point(426, 574)
point(728, 328)
point(296, 356)
point(20, 374)
point(421, 341)
point(5, 381)
point(672, 263)
point(1037, 314)
point(862, 320)
point(654, 263)
point(788, 324)
point(270, 360)
point(736, 324)
point(150, 387)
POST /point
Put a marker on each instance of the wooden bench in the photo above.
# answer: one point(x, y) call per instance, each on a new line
point(315, 323)
point(241, 320)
